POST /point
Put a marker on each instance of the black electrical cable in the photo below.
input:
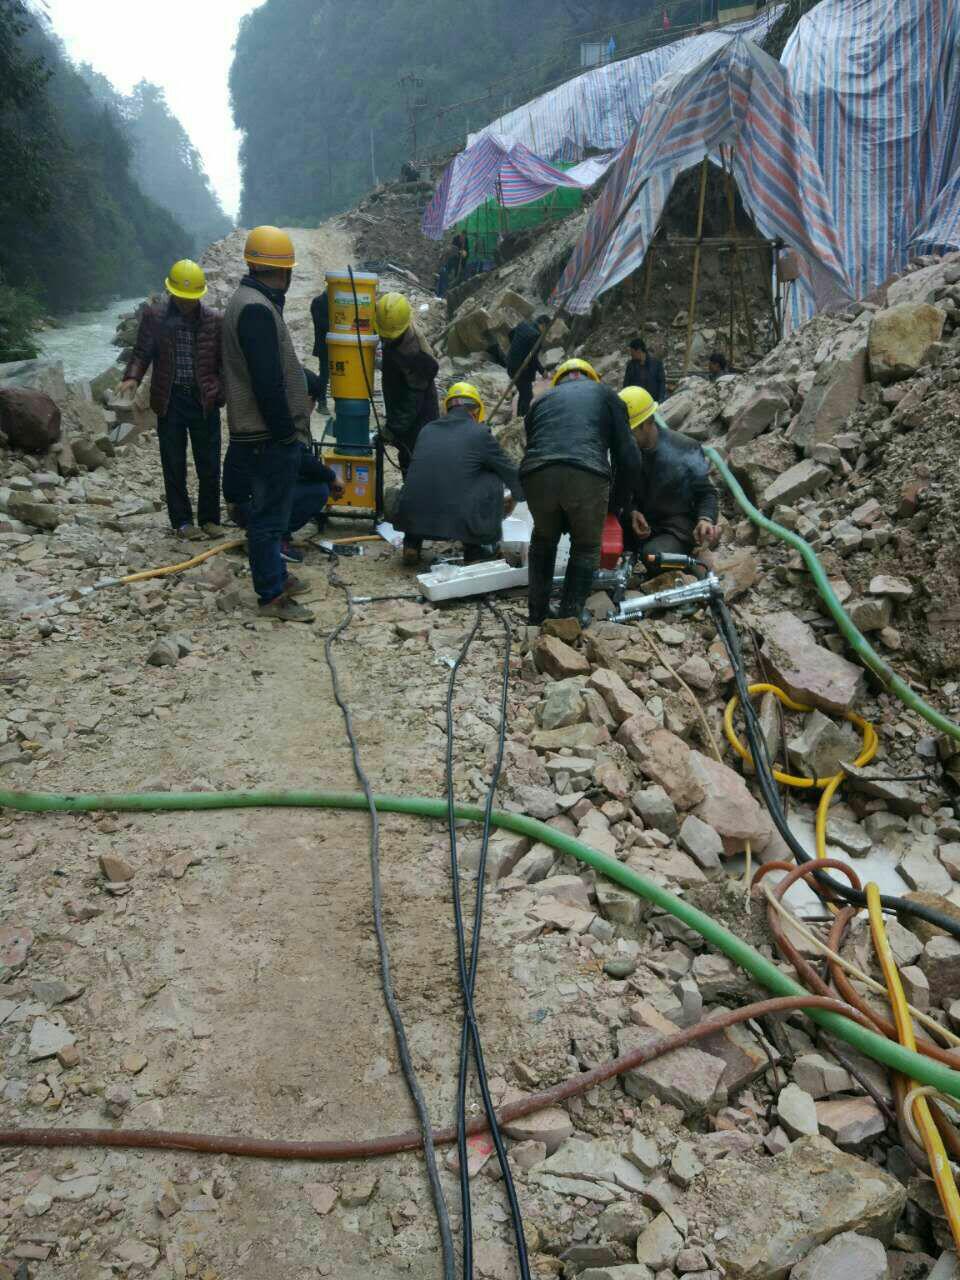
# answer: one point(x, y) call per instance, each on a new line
point(363, 363)
point(468, 972)
point(470, 1032)
point(400, 1034)
point(771, 797)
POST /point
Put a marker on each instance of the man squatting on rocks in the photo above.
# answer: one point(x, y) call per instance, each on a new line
point(454, 488)
point(181, 339)
point(268, 412)
point(673, 506)
point(572, 431)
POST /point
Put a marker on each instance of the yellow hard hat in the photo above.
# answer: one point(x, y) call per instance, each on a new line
point(465, 393)
point(393, 315)
point(186, 280)
point(573, 366)
point(270, 247)
point(640, 404)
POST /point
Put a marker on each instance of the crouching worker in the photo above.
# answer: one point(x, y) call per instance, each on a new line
point(454, 489)
point(315, 485)
point(674, 506)
point(571, 433)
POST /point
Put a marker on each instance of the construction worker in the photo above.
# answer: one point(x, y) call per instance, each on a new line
point(268, 411)
point(673, 506)
point(716, 366)
point(523, 366)
point(645, 370)
point(320, 315)
point(181, 340)
point(408, 376)
point(572, 431)
point(454, 490)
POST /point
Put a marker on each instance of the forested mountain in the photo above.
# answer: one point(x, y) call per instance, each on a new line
point(166, 164)
point(318, 84)
point(75, 227)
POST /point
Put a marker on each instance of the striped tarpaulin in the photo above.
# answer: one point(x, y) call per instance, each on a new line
point(879, 84)
point(494, 169)
point(599, 109)
point(736, 96)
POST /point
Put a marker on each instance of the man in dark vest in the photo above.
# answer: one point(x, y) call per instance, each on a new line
point(268, 411)
point(181, 339)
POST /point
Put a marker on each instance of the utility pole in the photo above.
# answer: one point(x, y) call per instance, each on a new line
point(411, 83)
point(373, 160)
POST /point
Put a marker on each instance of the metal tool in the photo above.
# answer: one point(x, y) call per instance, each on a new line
point(614, 582)
point(707, 588)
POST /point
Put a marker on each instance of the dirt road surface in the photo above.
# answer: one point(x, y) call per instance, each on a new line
point(243, 997)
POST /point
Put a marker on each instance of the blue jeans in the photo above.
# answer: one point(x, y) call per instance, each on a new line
point(264, 475)
point(309, 500)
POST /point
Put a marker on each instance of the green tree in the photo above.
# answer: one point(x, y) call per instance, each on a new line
point(75, 227)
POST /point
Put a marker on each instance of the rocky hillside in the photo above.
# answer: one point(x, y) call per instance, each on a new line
point(673, 1168)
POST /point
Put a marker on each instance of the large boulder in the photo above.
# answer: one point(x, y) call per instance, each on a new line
point(835, 393)
point(29, 419)
point(775, 1212)
point(758, 464)
point(80, 415)
point(35, 375)
point(901, 338)
point(470, 332)
point(796, 482)
point(805, 670)
point(752, 409)
point(728, 807)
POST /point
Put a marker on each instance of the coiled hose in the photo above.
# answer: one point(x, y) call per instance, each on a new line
point(853, 636)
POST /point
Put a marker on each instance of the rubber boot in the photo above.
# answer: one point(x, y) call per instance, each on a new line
point(540, 562)
point(577, 585)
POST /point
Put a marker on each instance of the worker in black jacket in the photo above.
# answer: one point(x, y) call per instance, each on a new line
point(523, 339)
point(674, 506)
point(454, 490)
point(645, 370)
point(571, 433)
point(320, 314)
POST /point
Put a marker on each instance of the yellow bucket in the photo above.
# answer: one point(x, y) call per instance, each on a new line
point(344, 306)
point(347, 381)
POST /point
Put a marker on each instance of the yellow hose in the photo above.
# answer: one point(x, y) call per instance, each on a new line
point(933, 1143)
point(169, 569)
point(829, 785)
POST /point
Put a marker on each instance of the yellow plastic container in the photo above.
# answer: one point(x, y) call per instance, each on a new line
point(347, 381)
point(343, 305)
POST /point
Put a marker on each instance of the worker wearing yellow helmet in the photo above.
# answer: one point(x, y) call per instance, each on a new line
point(454, 487)
point(672, 506)
point(573, 432)
point(181, 340)
point(408, 376)
point(268, 411)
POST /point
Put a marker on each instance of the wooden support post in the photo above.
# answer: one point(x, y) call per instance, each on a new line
point(738, 265)
point(695, 282)
point(647, 286)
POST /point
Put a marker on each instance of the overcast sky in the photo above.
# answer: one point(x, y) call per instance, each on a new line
point(186, 46)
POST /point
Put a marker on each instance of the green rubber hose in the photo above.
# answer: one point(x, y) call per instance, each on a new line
point(856, 639)
point(914, 1065)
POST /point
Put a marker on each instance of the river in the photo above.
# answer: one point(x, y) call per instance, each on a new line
point(84, 340)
